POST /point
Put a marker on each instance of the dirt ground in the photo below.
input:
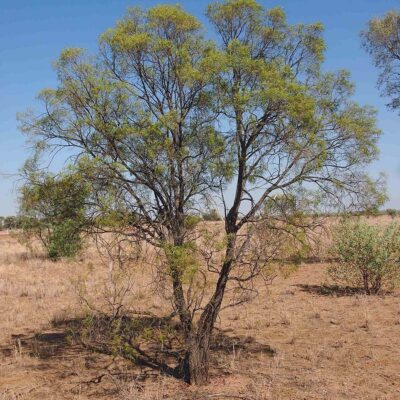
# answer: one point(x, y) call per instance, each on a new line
point(300, 339)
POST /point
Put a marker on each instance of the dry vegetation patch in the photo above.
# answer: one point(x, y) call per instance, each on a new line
point(301, 338)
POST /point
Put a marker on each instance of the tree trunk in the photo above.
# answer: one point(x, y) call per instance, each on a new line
point(376, 287)
point(366, 283)
point(196, 363)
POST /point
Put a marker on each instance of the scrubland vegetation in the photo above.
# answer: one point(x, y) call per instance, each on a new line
point(213, 232)
point(78, 329)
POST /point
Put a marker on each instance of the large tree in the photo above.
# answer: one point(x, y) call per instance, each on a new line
point(169, 122)
point(381, 39)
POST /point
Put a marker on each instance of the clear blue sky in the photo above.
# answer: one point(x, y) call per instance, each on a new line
point(33, 32)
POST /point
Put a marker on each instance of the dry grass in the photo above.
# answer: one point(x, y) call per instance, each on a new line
point(300, 339)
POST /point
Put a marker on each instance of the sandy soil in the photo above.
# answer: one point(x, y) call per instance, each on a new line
point(300, 339)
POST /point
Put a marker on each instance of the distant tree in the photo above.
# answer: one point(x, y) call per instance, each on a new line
point(381, 39)
point(212, 215)
point(52, 209)
point(11, 222)
point(165, 120)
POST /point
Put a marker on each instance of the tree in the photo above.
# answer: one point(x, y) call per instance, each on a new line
point(11, 222)
point(168, 122)
point(53, 210)
point(381, 40)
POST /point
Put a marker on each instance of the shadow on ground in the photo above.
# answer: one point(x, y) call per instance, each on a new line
point(150, 345)
point(330, 290)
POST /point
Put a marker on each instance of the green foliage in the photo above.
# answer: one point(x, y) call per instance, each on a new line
point(10, 222)
point(52, 209)
point(191, 221)
point(146, 113)
point(368, 256)
point(381, 39)
point(65, 239)
point(182, 260)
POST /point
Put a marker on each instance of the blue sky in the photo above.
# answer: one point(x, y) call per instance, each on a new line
point(33, 32)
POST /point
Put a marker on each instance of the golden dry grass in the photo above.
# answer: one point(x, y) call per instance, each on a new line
point(299, 339)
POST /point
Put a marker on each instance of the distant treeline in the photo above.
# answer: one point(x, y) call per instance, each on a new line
point(368, 213)
point(10, 222)
point(16, 222)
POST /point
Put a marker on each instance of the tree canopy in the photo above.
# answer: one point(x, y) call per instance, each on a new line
point(381, 39)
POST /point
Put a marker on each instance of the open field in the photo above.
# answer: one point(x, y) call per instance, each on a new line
point(300, 339)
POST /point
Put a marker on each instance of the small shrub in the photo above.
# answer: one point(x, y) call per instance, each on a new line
point(391, 212)
point(212, 215)
point(368, 256)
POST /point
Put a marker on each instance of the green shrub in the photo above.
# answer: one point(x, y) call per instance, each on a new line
point(391, 212)
point(53, 211)
point(368, 256)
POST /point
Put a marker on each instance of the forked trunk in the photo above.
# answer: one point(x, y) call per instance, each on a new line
point(195, 365)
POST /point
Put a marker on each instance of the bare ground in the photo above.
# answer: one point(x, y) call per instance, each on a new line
point(300, 339)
